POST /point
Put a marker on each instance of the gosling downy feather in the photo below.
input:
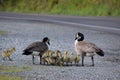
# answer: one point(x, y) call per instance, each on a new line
point(58, 53)
point(51, 59)
point(65, 58)
point(59, 60)
point(77, 59)
point(45, 56)
point(71, 58)
point(7, 53)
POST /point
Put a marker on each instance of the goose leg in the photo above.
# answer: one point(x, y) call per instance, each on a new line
point(82, 59)
point(92, 60)
point(10, 58)
point(33, 59)
point(40, 59)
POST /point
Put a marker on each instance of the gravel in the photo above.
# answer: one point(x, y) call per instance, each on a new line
point(21, 34)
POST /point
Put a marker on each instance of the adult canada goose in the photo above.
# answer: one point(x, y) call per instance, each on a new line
point(84, 48)
point(37, 48)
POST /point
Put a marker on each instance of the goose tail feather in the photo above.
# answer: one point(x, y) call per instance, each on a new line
point(100, 53)
point(26, 53)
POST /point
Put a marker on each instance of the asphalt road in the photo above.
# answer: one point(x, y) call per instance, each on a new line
point(111, 24)
point(24, 29)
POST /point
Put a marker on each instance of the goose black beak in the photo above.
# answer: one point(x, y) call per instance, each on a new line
point(48, 43)
point(75, 38)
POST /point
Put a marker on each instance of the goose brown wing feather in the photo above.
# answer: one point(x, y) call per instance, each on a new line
point(37, 46)
point(87, 47)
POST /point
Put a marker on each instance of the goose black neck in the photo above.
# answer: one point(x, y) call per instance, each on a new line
point(82, 38)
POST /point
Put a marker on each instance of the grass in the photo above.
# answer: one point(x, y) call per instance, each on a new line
point(11, 69)
point(3, 32)
point(7, 77)
point(64, 7)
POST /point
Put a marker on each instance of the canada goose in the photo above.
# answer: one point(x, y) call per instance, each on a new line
point(7, 53)
point(77, 59)
point(37, 49)
point(71, 58)
point(84, 48)
point(65, 58)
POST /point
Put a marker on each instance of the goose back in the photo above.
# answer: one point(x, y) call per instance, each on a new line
point(87, 47)
point(37, 46)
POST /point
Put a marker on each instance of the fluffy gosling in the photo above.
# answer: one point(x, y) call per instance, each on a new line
point(58, 54)
point(65, 58)
point(77, 59)
point(7, 53)
point(46, 55)
point(71, 58)
point(59, 61)
point(51, 59)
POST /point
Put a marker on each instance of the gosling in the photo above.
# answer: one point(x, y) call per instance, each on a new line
point(58, 54)
point(8, 53)
point(65, 58)
point(51, 59)
point(71, 58)
point(59, 61)
point(77, 59)
point(46, 55)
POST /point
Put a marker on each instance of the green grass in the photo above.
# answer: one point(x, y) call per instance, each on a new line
point(64, 7)
point(3, 32)
point(7, 77)
point(10, 69)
